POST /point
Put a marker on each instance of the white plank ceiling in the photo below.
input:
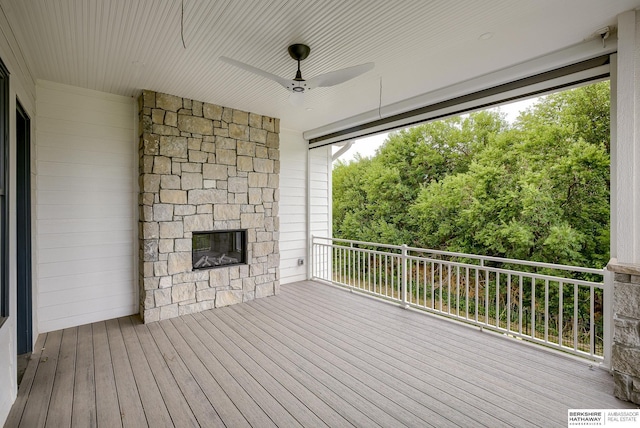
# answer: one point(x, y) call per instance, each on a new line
point(123, 46)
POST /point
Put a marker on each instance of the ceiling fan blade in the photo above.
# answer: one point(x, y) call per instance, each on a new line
point(254, 70)
point(339, 76)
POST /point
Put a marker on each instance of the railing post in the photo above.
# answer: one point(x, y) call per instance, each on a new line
point(310, 258)
point(403, 291)
point(607, 318)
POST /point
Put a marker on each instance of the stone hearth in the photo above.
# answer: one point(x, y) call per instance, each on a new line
point(204, 167)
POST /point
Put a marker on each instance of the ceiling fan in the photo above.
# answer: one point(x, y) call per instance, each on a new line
point(298, 86)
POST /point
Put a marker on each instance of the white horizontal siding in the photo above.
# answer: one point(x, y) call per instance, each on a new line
point(293, 211)
point(57, 284)
point(96, 309)
point(85, 206)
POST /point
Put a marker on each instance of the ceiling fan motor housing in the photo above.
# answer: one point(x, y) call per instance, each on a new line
point(299, 51)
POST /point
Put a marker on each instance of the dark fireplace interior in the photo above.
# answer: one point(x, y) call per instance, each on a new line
point(219, 248)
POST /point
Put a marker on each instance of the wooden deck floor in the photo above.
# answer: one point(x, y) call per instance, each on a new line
point(312, 356)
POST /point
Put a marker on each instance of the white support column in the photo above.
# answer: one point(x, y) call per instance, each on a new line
point(624, 287)
point(626, 147)
point(613, 154)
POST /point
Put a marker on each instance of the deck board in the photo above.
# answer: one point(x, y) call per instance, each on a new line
point(228, 412)
point(234, 390)
point(332, 392)
point(176, 403)
point(283, 380)
point(383, 388)
point(202, 409)
point(442, 394)
point(62, 394)
point(315, 355)
point(37, 406)
point(421, 360)
point(17, 410)
point(107, 406)
point(153, 404)
point(244, 368)
point(521, 367)
point(84, 389)
point(128, 395)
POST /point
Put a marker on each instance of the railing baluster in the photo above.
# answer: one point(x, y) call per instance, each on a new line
point(393, 276)
point(533, 307)
point(448, 289)
point(575, 316)
point(520, 306)
point(358, 278)
point(369, 272)
point(466, 293)
point(546, 310)
point(433, 285)
point(386, 275)
point(352, 263)
point(509, 302)
point(342, 271)
point(404, 280)
point(379, 279)
point(341, 267)
point(417, 282)
point(560, 312)
point(477, 292)
point(440, 283)
point(424, 284)
point(345, 258)
point(487, 289)
point(592, 321)
point(498, 299)
point(458, 291)
point(320, 255)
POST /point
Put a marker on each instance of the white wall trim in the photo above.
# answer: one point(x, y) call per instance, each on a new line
point(293, 207)
point(613, 160)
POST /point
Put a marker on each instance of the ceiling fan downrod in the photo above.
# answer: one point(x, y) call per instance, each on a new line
point(299, 52)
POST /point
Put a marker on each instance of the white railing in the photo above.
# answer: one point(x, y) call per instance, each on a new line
point(557, 306)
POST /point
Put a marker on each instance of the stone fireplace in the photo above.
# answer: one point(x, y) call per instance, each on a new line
point(209, 178)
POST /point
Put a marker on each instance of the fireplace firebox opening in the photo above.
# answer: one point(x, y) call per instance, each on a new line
point(215, 249)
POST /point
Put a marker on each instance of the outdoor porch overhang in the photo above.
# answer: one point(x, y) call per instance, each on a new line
point(313, 355)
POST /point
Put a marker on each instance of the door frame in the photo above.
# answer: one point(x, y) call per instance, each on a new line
point(24, 293)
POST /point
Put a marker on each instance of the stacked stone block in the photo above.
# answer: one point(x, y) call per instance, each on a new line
point(204, 167)
point(625, 357)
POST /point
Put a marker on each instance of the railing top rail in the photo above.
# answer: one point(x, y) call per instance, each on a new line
point(502, 271)
point(470, 256)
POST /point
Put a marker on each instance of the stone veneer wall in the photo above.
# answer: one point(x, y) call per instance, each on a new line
point(204, 167)
point(625, 356)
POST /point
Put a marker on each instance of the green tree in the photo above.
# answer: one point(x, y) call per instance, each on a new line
point(539, 191)
point(536, 190)
point(372, 197)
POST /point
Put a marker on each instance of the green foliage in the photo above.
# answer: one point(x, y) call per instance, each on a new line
point(537, 189)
